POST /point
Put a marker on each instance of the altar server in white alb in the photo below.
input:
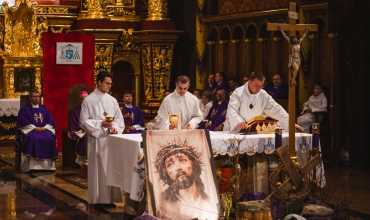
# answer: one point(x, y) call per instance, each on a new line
point(180, 102)
point(94, 109)
point(316, 103)
point(249, 101)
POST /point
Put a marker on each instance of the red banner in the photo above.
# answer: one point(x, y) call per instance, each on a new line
point(57, 79)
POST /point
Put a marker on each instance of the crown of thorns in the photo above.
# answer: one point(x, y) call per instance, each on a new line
point(174, 148)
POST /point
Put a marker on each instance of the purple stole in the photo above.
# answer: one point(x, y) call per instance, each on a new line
point(39, 145)
point(136, 118)
point(280, 92)
point(217, 115)
point(74, 125)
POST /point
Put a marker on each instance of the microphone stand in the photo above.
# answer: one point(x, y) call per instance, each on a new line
point(245, 121)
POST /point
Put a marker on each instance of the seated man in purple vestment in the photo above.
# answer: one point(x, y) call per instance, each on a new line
point(278, 90)
point(35, 136)
point(221, 82)
point(217, 114)
point(211, 83)
point(137, 119)
point(75, 131)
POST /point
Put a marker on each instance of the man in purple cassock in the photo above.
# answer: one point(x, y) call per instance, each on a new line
point(221, 82)
point(211, 83)
point(35, 136)
point(136, 118)
point(75, 131)
point(217, 114)
point(278, 90)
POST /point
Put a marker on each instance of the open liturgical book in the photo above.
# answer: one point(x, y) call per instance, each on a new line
point(262, 124)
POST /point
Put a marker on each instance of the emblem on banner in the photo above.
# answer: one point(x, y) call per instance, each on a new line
point(69, 53)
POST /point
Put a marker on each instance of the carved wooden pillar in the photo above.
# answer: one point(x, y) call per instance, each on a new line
point(275, 60)
point(332, 90)
point(210, 68)
point(314, 73)
point(247, 61)
point(234, 55)
point(260, 62)
point(220, 55)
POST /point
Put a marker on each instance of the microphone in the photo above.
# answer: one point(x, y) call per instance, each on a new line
point(234, 109)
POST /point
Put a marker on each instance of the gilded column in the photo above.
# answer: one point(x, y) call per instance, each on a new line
point(157, 10)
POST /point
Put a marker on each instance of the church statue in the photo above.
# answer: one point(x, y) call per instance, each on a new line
point(295, 49)
point(162, 65)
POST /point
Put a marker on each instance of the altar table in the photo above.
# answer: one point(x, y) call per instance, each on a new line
point(8, 118)
point(124, 152)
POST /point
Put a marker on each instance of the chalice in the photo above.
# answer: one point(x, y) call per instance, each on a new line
point(109, 119)
point(174, 120)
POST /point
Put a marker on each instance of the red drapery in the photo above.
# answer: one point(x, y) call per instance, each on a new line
point(58, 78)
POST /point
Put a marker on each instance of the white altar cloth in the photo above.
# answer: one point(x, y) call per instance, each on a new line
point(124, 152)
point(9, 107)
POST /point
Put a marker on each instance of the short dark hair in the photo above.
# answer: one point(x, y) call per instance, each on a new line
point(233, 78)
point(222, 74)
point(318, 84)
point(127, 92)
point(257, 75)
point(101, 76)
point(199, 90)
point(183, 79)
point(32, 91)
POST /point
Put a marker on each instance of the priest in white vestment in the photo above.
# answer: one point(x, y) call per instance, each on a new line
point(249, 101)
point(92, 119)
point(180, 102)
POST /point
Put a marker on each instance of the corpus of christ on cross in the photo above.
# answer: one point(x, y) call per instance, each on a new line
point(292, 27)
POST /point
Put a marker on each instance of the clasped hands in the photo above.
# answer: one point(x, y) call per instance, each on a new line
point(108, 125)
point(39, 129)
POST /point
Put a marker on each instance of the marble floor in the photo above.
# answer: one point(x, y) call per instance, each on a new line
point(43, 195)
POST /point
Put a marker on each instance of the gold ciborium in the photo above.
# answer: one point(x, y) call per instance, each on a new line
point(109, 119)
point(175, 120)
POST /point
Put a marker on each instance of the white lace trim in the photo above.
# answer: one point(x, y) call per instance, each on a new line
point(9, 111)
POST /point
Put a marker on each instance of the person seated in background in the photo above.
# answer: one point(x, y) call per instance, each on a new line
point(316, 103)
point(221, 83)
point(233, 83)
point(35, 136)
point(278, 89)
point(151, 123)
point(217, 114)
point(245, 79)
point(211, 83)
point(198, 93)
point(131, 110)
point(207, 102)
point(75, 131)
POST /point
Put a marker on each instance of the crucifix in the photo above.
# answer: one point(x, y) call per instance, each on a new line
point(294, 63)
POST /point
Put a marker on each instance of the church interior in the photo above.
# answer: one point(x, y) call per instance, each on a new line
point(146, 45)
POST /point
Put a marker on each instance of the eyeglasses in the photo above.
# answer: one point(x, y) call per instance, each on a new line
point(108, 83)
